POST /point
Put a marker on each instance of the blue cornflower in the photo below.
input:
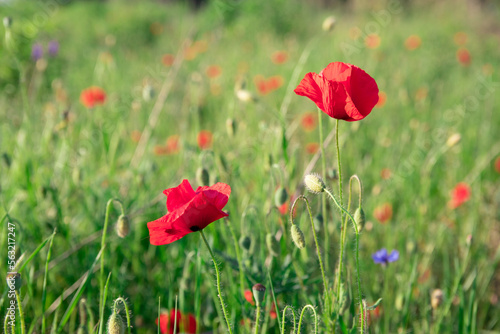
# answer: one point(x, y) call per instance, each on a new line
point(382, 257)
point(37, 51)
point(53, 48)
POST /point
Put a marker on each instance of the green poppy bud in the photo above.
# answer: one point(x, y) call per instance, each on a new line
point(314, 183)
point(15, 280)
point(272, 245)
point(280, 196)
point(360, 218)
point(202, 176)
point(259, 292)
point(123, 226)
point(245, 242)
point(115, 324)
point(298, 236)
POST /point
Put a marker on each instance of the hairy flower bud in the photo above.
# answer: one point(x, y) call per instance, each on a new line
point(202, 176)
point(15, 280)
point(259, 292)
point(245, 242)
point(115, 324)
point(272, 245)
point(298, 236)
point(437, 297)
point(360, 218)
point(280, 196)
point(329, 23)
point(314, 183)
point(123, 226)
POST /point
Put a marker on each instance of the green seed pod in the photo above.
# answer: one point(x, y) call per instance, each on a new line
point(298, 236)
point(231, 127)
point(115, 324)
point(360, 218)
point(123, 226)
point(314, 183)
point(280, 196)
point(272, 245)
point(15, 280)
point(245, 242)
point(259, 292)
point(202, 176)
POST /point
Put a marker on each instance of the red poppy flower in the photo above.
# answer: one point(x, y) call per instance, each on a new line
point(312, 148)
point(186, 323)
point(372, 41)
point(272, 311)
point(279, 57)
point(459, 195)
point(168, 60)
point(189, 211)
point(342, 91)
point(308, 121)
point(463, 56)
point(266, 86)
point(93, 96)
point(249, 297)
point(213, 71)
point(497, 165)
point(204, 139)
point(413, 42)
point(383, 213)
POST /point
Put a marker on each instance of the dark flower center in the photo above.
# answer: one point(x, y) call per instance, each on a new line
point(194, 228)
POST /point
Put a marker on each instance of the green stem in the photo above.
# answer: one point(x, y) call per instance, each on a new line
point(356, 254)
point(293, 317)
point(238, 258)
point(315, 318)
point(339, 166)
point(6, 323)
point(318, 251)
point(127, 313)
point(257, 319)
point(21, 314)
point(45, 278)
point(217, 274)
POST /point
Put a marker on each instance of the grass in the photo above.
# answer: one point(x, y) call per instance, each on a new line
point(61, 163)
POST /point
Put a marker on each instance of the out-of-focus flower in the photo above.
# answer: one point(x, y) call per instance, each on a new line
point(135, 136)
point(497, 165)
point(53, 48)
point(308, 121)
point(463, 56)
point(266, 86)
point(312, 148)
point(249, 297)
point(279, 57)
point(167, 59)
point(36, 51)
point(459, 195)
point(213, 71)
point(382, 257)
point(385, 174)
point(372, 41)
point(204, 139)
point(92, 97)
point(383, 213)
point(413, 42)
point(186, 323)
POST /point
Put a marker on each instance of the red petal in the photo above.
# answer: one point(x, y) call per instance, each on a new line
point(161, 231)
point(198, 213)
point(337, 71)
point(179, 196)
point(218, 194)
point(191, 326)
point(363, 91)
point(308, 87)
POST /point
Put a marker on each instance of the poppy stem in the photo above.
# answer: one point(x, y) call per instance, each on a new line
point(257, 319)
point(217, 274)
point(313, 310)
point(354, 225)
point(21, 314)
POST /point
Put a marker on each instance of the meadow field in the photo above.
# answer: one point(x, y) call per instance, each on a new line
point(106, 104)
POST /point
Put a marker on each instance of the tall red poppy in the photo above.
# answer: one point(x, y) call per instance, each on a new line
point(189, 211)
point(342, 91)
point(93, 96)
point(459, 195)
point(185, 322)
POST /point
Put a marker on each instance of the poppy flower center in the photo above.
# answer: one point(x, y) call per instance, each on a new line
point(194, 228)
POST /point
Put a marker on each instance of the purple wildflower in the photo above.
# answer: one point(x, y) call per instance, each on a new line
point(53, 48)
point(382, 257)
point(36, 51)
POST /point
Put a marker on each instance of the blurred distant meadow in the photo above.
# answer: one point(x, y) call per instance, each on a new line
point(206, 94)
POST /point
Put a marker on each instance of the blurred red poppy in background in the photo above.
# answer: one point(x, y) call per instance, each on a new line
point(413, 42)
point(279, 57)
point(168, 59)
point(213, 71)
point(372, 41)
point(459, 195)
point(463, 56)
point(312, 148)
point(204, 139)
point(266, 86)
point(189, 211)
point(497, 164)
point(186, 323)
point(93, 96)
point(342, 91)
point(249, 297)
point(383, 213)
point(308, 121)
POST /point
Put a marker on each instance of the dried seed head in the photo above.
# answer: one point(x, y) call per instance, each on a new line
point(14, 279)
point(314, 183)
point(259, 292)
point(329, 23)
point(360, 218)
point(272, 245)
point(115, 324)
point(280, 196)
point(437, 297)
point(202, 176)
point(123, 226)
point(298, 236)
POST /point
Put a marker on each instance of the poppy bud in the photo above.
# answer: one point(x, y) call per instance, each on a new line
point(329, 23)
point(360, 218)
point(202, 176)
point(231, 127)
point(314, 183)
point(272, 245)
point(148, 92)
point(14, 279)
point(244, 95)
point(245, 242)
point(280, 196)
point(298, 236)
point(115, 324)
point(7, 22)
point(259, 292)
point(453, 140)
point(437, 297)
point(123, 226)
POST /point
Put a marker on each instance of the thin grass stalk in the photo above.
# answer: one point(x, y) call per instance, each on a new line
point(21, 313)
point(44, 288)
